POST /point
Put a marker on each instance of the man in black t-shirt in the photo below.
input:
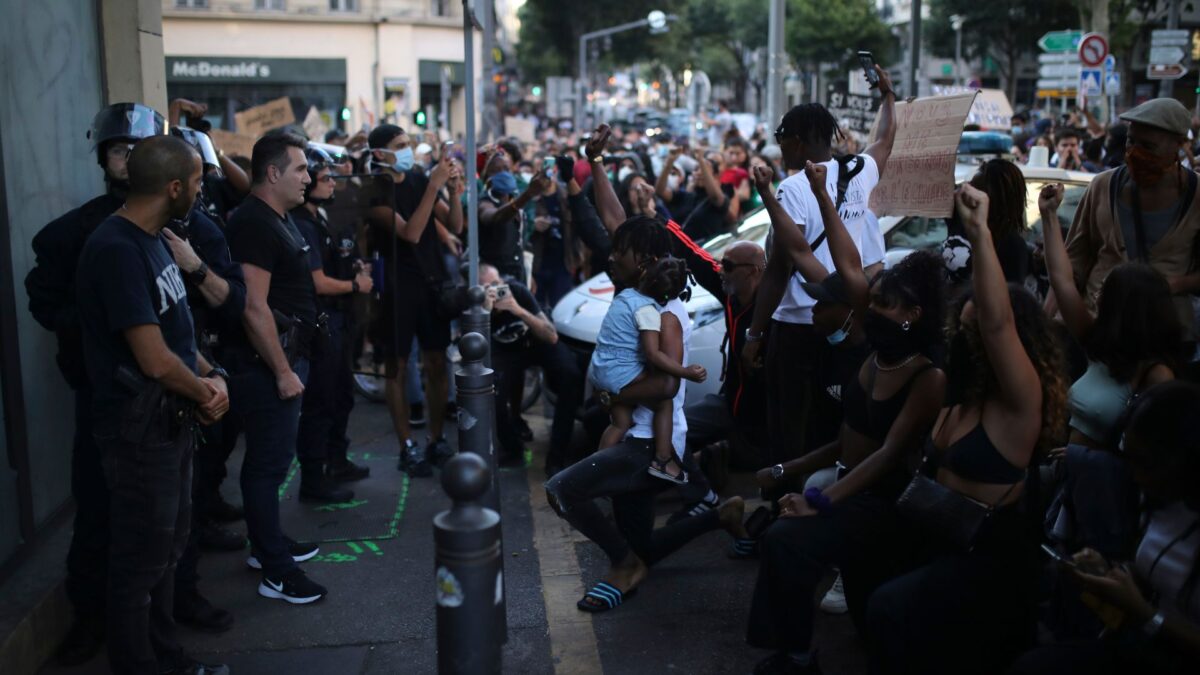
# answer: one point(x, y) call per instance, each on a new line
point(522, 337)
point(329, 395)
point(142, 362)
point(270, 360)
point(409, 298)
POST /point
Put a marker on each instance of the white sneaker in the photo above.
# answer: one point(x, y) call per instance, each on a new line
point(834, 601)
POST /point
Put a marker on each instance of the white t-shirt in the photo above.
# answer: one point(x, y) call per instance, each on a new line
point(643, 417)
point(798, 201)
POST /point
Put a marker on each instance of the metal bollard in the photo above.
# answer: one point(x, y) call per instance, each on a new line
point(476, 320)
point(476, 419)
point(469, 572)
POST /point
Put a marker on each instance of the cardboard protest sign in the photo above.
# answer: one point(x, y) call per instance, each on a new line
point(314, 124)
point(522, 129)
point(854, 111)
point(260, 119)
point(919, 177)
point(231, 143)
point(991, 110)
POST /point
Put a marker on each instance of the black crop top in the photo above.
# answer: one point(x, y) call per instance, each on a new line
point(872, 418)
point(974, 457)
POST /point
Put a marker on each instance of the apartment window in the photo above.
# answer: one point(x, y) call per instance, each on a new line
point(191, 4)
point(269, 4)
point(440, 7)
point(343, 5)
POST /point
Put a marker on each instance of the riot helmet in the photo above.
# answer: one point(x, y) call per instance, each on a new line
point(124, 121)
point(203, 145)
point(318, 159)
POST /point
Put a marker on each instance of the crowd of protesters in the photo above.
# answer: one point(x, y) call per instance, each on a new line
point(992, 481)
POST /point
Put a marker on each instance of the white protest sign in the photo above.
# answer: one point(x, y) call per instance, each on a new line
point(919, 177)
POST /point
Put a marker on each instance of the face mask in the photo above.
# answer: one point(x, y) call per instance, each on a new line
point(527, 176)
point(1016, 130)
point(890, 340)
point(503, 183)
point(623, 173)
point(1145, 167)
point(839, 336)
point(403, 160)
point(673, 182)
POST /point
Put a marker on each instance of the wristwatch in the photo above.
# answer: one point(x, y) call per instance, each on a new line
point(199, 275)
point(751, 337)
point(777, 471)
point(1154, 625)
point(219, 372)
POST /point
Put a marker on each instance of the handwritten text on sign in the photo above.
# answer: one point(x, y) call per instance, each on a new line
point(919, 178)
point(260, 119)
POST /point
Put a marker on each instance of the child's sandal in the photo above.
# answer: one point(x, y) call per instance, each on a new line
point(658, 469)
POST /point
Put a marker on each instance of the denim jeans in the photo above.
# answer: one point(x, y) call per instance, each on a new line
point(270, 425)
point(87, 558)
point(150, 512)
point(328, 399)
point(619, 472)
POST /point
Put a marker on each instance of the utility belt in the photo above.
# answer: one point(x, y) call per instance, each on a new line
point(153, 416)
point(301, 339)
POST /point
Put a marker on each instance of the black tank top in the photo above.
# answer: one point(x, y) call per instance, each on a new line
point(869, 417)
point(975, 457)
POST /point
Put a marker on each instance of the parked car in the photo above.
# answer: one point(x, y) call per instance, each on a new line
point(579, 314)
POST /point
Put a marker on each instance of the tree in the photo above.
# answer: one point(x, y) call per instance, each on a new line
point(1003, 31)
point(819, 31)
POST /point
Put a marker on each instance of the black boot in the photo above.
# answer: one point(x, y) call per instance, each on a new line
point(315, 486)
point(339, 469)
point(195, 612)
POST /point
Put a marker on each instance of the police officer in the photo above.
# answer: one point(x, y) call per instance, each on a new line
point(52, 301)
point(337, 275)
point(217, 296)
point(270, 361)
point(141, 359)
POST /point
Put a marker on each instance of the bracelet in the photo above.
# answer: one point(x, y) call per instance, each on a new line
point(818, 500)
point(597, 159)
point(751, 337)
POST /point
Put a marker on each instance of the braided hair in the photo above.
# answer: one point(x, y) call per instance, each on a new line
point(645, 236)
point(664, 280)
point(813, 124)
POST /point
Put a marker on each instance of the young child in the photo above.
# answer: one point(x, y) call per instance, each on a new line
point(627, 363)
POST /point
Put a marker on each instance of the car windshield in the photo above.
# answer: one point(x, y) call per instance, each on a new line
point(1072, 195)
point(751, 229)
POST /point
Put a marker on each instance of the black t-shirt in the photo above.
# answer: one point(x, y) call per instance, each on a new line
point(332, 254)
point(682, 203)
point(261, 237)
point(500, 245)
point(1011, 250)
point(509, 333)
point(127, 278)
point(423, 260)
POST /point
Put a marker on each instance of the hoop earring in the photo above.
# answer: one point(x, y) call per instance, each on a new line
point(905, 326)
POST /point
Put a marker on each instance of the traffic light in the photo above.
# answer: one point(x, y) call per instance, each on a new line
point(537, 91)
point(345, 114)
point(419, 118)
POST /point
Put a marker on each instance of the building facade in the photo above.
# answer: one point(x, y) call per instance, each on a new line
point(358, 62)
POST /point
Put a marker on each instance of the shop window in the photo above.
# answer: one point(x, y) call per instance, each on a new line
point(343, 5)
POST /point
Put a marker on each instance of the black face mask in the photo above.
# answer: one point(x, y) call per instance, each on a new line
point(890, 340)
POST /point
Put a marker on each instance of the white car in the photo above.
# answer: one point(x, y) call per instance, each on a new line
point(579, 314)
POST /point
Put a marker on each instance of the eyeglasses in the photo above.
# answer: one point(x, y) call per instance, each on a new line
point(327, 179)
point(780, 134)
point(121, 150)
point(728, 266)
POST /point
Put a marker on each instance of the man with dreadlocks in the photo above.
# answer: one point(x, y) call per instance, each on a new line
point(794, 349)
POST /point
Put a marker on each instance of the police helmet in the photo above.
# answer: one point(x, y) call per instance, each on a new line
point(203, 145)
point(317, 159)
point(125, 121)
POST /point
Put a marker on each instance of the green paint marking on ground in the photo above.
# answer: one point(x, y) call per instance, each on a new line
point(342, 506)
point(354, 547)
point(334, 558)
point(372, 547)
point(394, 526)
point(288, 481)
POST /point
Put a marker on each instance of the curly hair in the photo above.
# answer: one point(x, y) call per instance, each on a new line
point(918, 281)
point(971, 377)
point(665, 279)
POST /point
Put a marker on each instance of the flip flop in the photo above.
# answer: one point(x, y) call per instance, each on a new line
point(605, 597)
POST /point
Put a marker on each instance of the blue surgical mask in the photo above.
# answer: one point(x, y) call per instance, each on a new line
point(403, 160)
point(839, 336)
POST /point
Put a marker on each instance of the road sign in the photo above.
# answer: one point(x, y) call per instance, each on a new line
point(1110, 63)
point(1056, 83)
point(1060, 57)
point(1169, 38)
point(1060, 41)
point(1112, 84)
point(1093, 49)
point(1059, 70)
point(1091, 82)
point(1056, 93)
point(1160, 71)
point(1166, 55)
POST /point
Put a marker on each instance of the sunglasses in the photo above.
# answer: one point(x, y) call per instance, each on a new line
point(780, 134)
point(728, 265)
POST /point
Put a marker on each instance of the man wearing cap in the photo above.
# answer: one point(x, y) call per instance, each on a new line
point(52, 301)
point(1144, 211)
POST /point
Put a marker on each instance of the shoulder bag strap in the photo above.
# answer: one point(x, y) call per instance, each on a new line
point(870, 397)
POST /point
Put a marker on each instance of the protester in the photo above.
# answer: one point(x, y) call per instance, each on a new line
point(1067, 151)
point(1004, 185)
point(806, 134)
point(501, 210)
point(971, 599)
point(52, 290)
point(141, 356)
point(1143, 211)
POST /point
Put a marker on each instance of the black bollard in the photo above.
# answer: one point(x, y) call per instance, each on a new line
point(469, 572)
point(477, 320)
point(476, 418)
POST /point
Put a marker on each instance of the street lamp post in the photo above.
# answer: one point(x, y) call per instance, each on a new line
point(956, 22)
point(656, 20)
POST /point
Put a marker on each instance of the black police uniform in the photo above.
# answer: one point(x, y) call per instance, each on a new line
point(329, 394)
point(218, 440)
point(127, 278)
point(52, 301)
